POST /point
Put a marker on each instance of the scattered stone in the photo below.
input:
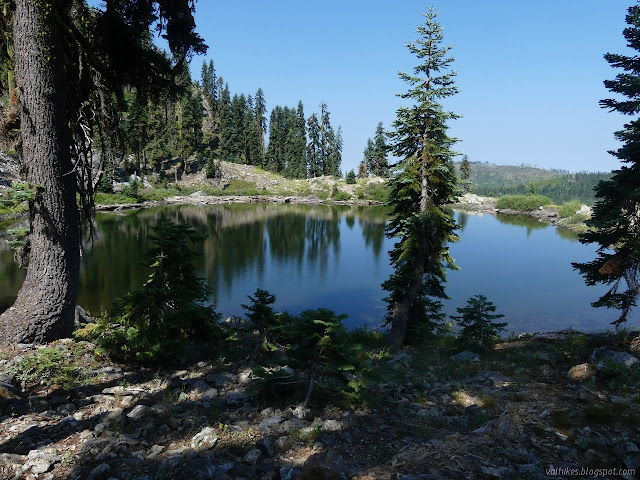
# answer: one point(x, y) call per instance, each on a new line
point(581, 372)
point(205, 438)
point(331, 426)
point(235, 397)
point(324, 466)
point(601, 355)
point(138, 412)
point(252, 456)
point(466, 356)
point(268, 422)
point(97, 472)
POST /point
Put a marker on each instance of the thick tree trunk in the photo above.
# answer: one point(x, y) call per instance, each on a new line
point(44, 309)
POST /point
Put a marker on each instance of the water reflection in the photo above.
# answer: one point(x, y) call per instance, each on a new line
point(293, 250)
point(529, 223)
point(319, 256)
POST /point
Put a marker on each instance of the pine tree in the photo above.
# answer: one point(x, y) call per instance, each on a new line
point(367, 159)
point(380, 152)
point(465, 173)
point(477, 321)
point(261, 124)
point(314, 152)
point(616, 212)
point(423, 186)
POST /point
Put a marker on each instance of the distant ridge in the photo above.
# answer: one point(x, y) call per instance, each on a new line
point(561, 186)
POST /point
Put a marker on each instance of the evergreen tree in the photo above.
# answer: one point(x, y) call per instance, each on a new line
point(423, 186)
point(616, 212)
point(367, 160)
point(477, 321)
point(314, 152)
point(261, 124)
point(225, 146)
point(465, 173)
point(380, 153)
point(299, 146)
point(70, 62)
point(335, 153)
point(275, 149)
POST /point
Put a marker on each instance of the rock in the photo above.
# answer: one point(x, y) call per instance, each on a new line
point(600, 355)
point(235, 397)
point(209, 395)
point(39, 462)
point(331, 426)
point(138, 412)
point(205, 438)
point(294, 424)
point(466, 356)
point(585, 210)
point(268, 422)
point(401, 360)
point(581, 372)
point(267, 446)
point(494, 472)
point(323, 466)
point(245, 377)
point(97, 472)
point(199, 193)
point(546, 357)
point(252, 456)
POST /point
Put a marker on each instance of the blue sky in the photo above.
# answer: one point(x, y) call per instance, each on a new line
point(530, 73)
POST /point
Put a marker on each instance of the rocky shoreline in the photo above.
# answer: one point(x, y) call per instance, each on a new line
point(472, 203)
point(200, 198)
point(541, 402)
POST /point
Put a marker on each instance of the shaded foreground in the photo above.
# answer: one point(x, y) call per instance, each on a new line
point(511, 412)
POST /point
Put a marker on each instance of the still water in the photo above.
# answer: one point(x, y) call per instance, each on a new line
point(336, 257)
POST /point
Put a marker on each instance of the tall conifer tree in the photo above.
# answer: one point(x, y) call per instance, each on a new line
point(423, 186)
point(616, 215)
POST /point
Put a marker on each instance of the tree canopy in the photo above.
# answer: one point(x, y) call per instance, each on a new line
point(616, 230)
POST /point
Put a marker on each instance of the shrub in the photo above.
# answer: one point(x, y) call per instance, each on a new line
point(569, 209)
point(241, 187)
point(132, 190)
point(154, 323)
point(523, 203)
point(317, 347)
point(339, 195)
point(374, 191)
point(477, 322)
point(262, 317)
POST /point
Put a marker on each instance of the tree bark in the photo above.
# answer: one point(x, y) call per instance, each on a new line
point(44, 308)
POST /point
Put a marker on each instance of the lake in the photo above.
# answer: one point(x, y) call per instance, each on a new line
point(336, 257)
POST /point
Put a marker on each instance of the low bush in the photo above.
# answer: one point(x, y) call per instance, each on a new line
point(569, 209)
point(523, 203)
point(155, 323)
point(477, 322)
point(374, 191)
point(339, 195)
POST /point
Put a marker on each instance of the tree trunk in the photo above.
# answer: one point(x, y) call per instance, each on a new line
point(401, 309)
point(44, 308)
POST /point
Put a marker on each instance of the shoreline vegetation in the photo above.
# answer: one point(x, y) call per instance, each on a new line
point(249, 184)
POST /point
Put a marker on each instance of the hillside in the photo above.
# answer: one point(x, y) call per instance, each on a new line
point(498, 180)
point(499, 176)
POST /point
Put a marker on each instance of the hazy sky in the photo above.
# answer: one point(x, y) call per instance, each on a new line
point(530, 73)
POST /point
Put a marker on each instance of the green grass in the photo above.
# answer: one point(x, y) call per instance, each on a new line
point(113, 199)
point(374, 191)
point(523, 203)
point(569, 209)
